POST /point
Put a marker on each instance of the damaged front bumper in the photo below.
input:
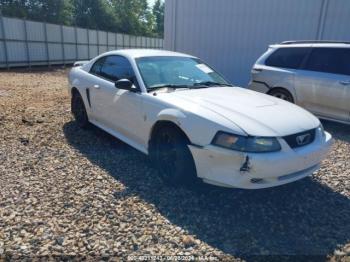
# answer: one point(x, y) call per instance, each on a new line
point(230, 168)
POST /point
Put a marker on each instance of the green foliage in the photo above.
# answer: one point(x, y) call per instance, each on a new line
point(158, 14)
point(18, 8)
point(126, 16)
point(131, 15)
point(52, 11)
point(95, 14)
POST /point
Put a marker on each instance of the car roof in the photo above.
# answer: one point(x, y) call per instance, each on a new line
point(135, 53)
point(313, 43)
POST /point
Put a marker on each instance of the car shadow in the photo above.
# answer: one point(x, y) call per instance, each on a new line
point(338, 130)
point(302, 218)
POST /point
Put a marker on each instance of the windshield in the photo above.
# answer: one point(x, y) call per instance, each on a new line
point(177, 72)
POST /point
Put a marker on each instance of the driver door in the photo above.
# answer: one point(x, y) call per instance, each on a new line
point(117, 110)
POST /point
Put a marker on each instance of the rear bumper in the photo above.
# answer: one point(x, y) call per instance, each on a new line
point(222, 167)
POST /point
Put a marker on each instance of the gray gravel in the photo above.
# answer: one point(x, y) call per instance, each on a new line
point(71, 192)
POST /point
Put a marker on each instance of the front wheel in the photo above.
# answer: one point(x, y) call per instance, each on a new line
point(282, 94)
point(173, 157)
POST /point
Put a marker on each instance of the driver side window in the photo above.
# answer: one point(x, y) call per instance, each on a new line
point(113, 68)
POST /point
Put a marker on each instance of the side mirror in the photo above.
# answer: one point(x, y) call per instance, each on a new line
point(125, 84)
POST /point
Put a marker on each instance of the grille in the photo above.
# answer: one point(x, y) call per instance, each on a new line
point(301, 139)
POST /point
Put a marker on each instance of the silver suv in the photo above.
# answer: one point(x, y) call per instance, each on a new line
point(312, 74)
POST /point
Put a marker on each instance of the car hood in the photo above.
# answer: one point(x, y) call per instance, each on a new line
point(255, 113)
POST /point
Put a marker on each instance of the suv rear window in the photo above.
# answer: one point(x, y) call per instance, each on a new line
point(329, 60)
point(287, 57)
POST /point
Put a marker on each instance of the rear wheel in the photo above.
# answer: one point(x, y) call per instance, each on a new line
point(173, 157)
point(282, 94)
point(79, 111)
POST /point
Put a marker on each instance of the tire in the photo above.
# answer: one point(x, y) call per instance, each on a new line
point(282, 94)
point(79, 111)
point(173, 158)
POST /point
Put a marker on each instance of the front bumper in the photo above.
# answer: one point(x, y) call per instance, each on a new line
point(222, 167)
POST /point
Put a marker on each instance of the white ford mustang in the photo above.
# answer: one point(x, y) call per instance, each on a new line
point(192, 123)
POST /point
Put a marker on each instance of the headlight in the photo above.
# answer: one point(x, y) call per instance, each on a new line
point(246, 143)
point(321, 128)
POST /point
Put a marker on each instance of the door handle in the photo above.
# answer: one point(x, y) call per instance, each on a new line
point(97, 87)
point(345, 83)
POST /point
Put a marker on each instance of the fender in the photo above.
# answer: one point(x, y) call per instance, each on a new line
point(76, 83)
point(179, 118)
point(171, 114)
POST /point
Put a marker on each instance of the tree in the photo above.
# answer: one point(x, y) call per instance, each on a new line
point(124, 16)
point(158, 13)
point(52, 11)
point(17, 8)
point(132, 16)
point(96, 14)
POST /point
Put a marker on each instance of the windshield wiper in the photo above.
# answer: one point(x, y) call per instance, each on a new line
point(194, 86)
point(167, 86)
point(209, 83)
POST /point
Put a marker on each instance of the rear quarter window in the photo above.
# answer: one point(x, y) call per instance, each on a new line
point(97, 66)
point(287, 57)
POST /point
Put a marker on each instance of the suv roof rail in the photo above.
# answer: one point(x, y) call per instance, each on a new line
point(314, 42)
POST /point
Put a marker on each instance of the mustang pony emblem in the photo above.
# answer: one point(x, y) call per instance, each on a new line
point(303, 139)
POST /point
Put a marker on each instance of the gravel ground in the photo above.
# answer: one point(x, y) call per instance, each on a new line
point(71, 192)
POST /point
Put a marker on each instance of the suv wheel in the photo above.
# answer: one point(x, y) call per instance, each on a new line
point(282, 94)
point(79, 111)
point(173, 157)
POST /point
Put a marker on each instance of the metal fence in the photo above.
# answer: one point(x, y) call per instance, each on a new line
point(29, 43)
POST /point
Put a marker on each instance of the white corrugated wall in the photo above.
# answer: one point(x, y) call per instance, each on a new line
point(231, 34)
